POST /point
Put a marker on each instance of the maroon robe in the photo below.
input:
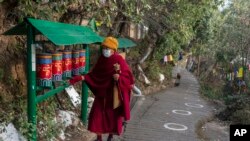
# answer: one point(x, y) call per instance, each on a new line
point(103, 118)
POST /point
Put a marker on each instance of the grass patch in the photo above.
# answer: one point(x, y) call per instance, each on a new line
point(212, 92)
point(237, 109)
point(155, 68)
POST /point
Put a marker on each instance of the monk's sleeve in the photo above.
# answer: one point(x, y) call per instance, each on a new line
point(126, 77)
point(125, 84)
point(95, 84)
point(89, 80)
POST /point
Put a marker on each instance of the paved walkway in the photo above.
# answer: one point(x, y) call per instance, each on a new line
point(170, 115)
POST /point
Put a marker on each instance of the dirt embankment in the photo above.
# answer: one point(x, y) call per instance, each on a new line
point(12, 60)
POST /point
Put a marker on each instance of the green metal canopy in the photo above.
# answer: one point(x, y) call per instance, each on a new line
point(58, 33)
point(125, 43)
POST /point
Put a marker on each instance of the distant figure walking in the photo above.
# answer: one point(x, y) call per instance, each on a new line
point(178, 79)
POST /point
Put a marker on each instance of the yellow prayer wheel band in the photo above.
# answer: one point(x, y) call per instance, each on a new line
point(44, 56)
point(68, 52)
point(81, 50)
point(57, 54)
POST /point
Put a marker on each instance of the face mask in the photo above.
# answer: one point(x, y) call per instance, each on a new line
point(106, 52)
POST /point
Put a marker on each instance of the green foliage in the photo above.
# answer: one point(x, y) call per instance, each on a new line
point(39, 9)
point(20, 120)
point(188, 25)
point(237, 109)
point(154, 68)
point(241, 116)
point(167, 71)
point(168, 45)
point(48, 128)
point(230, 32)
point(134, 53)
point(211, 92)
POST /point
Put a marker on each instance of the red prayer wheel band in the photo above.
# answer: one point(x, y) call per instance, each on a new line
point(75, 59)
point(57, 67)
point(82, 61)
point(57, 63)
point(75, 62)
point(67, 64)
point(44, 71)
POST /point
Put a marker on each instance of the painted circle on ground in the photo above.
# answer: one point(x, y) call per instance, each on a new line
point(182, 112)
point(194, 105)
point(175, 126)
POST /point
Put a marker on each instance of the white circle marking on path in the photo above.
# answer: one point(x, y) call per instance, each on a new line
point(175, 126)
point(194, 105)
point(182, 112)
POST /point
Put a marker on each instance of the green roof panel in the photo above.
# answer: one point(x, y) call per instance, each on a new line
point(125, 43)
point(58, 33)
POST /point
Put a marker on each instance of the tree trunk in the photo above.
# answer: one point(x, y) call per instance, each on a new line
point(143, 74)
point(145, 56)
point(119, 21)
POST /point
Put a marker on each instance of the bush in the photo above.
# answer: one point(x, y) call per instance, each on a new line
point(211, 92)
point(153, 70)
point(241, 116)
point(237, 109)
point(155, 67)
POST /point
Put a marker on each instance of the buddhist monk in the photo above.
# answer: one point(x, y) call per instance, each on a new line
point(111, 81)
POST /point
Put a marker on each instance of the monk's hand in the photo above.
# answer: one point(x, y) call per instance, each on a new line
point(75, 79)
point(116, 77)
point(83, 78)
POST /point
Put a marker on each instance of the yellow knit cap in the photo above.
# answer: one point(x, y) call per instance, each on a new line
point(110, 42)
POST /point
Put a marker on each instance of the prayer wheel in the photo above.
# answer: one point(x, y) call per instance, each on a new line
point(81, 61)
point(75, 63)
point(57, 69)
point(44, 70)
point(67, 64)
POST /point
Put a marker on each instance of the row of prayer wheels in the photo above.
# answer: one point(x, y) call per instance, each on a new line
point(59, 66)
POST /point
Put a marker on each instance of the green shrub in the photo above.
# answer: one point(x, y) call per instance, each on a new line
point(240, 116)
point(211, 92)
point(153, 70)
point(237, 109)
